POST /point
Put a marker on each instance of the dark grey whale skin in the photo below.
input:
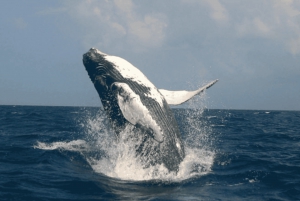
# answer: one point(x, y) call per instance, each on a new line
point(103, 74)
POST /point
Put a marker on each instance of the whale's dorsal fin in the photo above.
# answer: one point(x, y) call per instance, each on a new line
point(179, 97)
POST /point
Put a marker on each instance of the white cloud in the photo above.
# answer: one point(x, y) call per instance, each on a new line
point(107, 23)
point(278, 20)
point(294, 46)
point(254, 27)
point(149, 29)
point(288, 7)
point(287, 15)
point(219, 13)
point(126, 23)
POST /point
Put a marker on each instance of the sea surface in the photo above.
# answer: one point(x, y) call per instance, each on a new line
point(70, 153)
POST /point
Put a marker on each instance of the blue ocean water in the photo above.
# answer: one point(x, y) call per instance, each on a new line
point(70, 153)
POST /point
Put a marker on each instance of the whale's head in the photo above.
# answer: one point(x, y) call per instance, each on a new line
point(104, 73)
point(101, 71)
point(105, 70)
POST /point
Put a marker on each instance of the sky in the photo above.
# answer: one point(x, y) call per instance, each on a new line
point(252, 47)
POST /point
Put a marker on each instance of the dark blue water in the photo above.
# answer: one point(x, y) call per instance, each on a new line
point(68, 153)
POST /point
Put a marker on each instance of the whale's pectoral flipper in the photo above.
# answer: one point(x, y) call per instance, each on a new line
point(134, 111)
point(179, 97)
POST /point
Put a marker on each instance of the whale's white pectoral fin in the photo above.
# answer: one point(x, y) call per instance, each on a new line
point(134, 111)
point(179, 97)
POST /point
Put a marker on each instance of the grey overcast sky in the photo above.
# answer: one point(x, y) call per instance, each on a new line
point(251, 46)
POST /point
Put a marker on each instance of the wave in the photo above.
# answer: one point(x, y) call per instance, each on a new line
point(75, 145)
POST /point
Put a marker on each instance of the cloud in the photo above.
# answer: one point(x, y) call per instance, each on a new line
point(123, 23)
point(277, 20)
point(113, 23)
point(287, 15)
point(149, 29)
point(219, 12)
point(294, 46)
point(254, 27)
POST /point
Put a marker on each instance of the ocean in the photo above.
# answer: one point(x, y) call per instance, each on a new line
point(70, 153)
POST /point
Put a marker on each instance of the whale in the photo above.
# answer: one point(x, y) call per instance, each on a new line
point(134, 105)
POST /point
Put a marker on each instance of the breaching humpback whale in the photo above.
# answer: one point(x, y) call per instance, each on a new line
point(132, 102)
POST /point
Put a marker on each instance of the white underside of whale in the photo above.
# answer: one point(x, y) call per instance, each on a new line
point(135, 112)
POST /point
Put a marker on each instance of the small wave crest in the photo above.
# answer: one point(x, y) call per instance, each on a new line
point(74, 145)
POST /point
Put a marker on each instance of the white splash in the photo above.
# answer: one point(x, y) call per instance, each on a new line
point(135, 112)
point(74, 145)
point(117, 158)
